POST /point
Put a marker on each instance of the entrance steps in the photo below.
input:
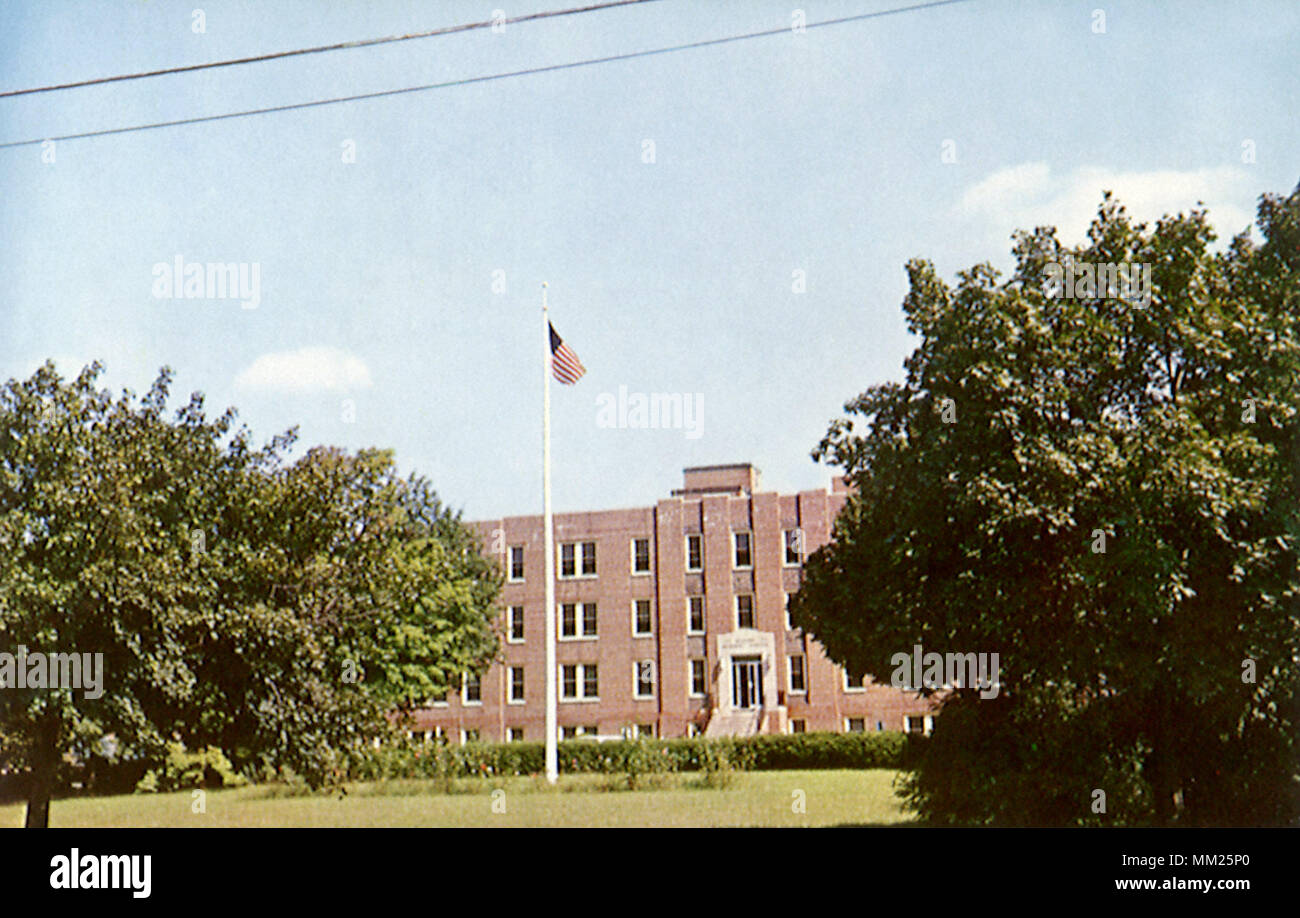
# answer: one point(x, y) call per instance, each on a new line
point(742, 722)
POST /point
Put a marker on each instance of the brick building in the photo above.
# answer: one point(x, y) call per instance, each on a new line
point(671, 621)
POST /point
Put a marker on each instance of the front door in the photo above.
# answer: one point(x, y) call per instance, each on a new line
point(747, 682)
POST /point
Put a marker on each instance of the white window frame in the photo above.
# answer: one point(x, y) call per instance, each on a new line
point(510, 625)
point(788, 625)
point(649, 557)
point(510, 685)
point(704, 614)
point(785, 548)
point(579, 560)
point(510, 735)
point(735, 548)
point(578, 730)
point(796, 720)
point(789, 673)
point(510, 563)
point(464, 691)
point(466, 731)
point(579, 622)
point(642, 634)
point(753, 611)
point(851, 689)
point(690, 676)
point(689, 536)
point(848, 725)
point(647, 733)
point(636, 680)
point(580, 673)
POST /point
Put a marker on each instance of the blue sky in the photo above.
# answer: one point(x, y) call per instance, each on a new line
point(820, 152)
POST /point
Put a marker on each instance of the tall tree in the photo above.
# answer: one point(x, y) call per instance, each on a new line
point(279, 611)
point(1105, 492)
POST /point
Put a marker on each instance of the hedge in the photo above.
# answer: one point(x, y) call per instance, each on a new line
point(753, 753)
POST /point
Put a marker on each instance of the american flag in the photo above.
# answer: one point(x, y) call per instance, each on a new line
point(565, 364)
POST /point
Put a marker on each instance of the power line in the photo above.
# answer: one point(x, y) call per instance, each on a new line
point(345, 45)
point(549, 68)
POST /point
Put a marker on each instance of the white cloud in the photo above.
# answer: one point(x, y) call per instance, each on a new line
point(1027, 195)
point(308, 369)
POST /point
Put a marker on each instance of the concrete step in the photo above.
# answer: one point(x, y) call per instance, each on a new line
point(734, 723)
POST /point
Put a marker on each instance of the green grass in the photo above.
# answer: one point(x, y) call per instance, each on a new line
point(753, 799)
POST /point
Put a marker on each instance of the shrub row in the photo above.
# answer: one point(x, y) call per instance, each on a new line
point(754, 753)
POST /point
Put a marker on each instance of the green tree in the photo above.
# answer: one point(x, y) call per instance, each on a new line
point(1034, 429)
point(279, 612)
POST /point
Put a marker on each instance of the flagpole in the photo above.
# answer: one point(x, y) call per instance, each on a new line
point(548, 547)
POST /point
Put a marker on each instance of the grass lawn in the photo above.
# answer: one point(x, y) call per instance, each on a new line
point(753, 799)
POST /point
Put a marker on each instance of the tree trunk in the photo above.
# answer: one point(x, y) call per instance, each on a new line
point(45, 760)
point(1164, 767)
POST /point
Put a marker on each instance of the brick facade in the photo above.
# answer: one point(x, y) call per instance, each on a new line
point(715, 503)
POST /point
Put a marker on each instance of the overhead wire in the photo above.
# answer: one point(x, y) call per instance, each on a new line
point(486, 78)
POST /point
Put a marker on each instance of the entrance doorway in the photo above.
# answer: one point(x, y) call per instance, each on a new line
point(747, 682)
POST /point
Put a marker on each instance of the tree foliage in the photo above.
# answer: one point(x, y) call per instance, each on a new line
point(1172, 429)
point(277, 611)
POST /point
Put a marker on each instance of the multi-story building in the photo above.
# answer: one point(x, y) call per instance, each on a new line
point(671, 620)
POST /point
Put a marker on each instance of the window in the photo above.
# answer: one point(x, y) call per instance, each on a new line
point(798, 726)
point(471, 689)
point(468, 736)
point(854, 683)
point(578, 559)
point(698, 680)
point(788, 625)
point(441, 702)
point(515, 625)
point(515, 735)
point(577, 621)
point(744, 553)
point(693, 729)
point(793, 539)
point(797, 680)
point(575, 732)
point(855, 725)
point(695, 614)
point(646, 730)
point(578, 682)
point(694, 552)
point(640, 556)
point(644, 685)
point(516, 685)
point(745, 611)
point(516, 563)
point(642, 623)
point(915, 723)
